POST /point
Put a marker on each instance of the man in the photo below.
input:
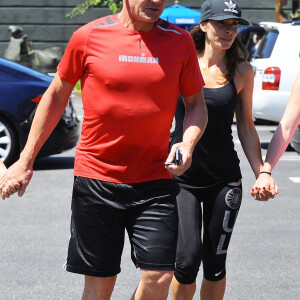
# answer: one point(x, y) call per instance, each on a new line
point(132, 67)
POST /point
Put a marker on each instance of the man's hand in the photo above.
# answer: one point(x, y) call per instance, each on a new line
point(15, 179)
point(186, 161)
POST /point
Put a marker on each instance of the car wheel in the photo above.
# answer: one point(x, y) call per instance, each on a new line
point(295, 142)
point(8, 143)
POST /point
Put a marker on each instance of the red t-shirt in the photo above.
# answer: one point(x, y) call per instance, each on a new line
point(130, 83)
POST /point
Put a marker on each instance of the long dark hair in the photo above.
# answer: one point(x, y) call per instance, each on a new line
point(235, 54)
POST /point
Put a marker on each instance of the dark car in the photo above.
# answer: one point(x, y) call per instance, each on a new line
point(21, 89)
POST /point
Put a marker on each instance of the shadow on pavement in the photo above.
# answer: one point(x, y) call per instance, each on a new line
point(54, 163)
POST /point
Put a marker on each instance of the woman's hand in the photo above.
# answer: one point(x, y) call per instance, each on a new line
point(264, 188)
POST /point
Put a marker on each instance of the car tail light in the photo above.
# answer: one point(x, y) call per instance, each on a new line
point(36, 99)
point(271, 79)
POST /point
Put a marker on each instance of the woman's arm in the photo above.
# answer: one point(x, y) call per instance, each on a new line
point(247, 132)
point(286, 128)
point(283, 133)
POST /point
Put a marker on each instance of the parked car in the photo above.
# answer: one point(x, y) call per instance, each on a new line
point(250, 36)
point(21, 89)
point(276, 63)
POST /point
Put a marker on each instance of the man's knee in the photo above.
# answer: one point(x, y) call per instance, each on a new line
point(158, 281)
point(98, 287)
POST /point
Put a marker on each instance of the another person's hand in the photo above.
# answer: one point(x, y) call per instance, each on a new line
point(15, 179)
point(264, 188)
point(186, 161)
point(10, 187)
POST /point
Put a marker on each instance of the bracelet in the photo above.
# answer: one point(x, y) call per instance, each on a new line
point(265, 172)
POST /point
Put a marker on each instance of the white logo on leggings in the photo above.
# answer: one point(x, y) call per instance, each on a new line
point(233, 198)
point(221, 249)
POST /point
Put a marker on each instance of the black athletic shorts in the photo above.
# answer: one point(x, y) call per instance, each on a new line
point(101, 211)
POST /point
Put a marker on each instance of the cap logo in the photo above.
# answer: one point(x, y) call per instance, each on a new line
point(231, 7)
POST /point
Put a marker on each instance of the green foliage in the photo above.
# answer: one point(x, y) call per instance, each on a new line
point(78, 87)
point(81, 8)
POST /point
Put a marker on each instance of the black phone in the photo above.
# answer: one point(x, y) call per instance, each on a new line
point(178, 157)
point(177, 160)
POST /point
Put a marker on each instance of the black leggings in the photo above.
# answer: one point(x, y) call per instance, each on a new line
point(220, 204)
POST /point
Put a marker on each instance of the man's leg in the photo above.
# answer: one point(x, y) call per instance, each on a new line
point(97, 235)
point(152, 229)
point(98, 288)
point(154, 285)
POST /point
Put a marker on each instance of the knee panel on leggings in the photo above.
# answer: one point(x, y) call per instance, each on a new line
point(219, 219)
point(188, 255)
point(186, 272)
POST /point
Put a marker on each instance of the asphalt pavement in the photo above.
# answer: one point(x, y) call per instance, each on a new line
point(263, 259)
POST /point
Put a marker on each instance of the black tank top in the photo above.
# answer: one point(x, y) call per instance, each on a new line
point(214, 157)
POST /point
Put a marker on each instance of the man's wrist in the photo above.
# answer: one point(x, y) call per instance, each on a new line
point(26, 159)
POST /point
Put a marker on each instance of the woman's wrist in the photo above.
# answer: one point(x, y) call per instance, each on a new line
point(266, 168)
point(265, 172)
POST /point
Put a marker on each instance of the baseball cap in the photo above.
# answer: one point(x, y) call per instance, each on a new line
point(221, 10)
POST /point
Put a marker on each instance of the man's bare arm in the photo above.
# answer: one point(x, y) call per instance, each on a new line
point(46, 118)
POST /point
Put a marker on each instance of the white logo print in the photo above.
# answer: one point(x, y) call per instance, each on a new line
point(233, 198)
point(217, 274)
point(231, 7)
point(143, 59)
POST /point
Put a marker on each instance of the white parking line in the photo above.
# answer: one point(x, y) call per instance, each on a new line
point(286, 158)
point(265, 128)
point(295, 179)
point(259, 128)
point(290, 158)
point(237, 141)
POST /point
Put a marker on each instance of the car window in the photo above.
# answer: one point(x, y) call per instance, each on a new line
point(266, 45)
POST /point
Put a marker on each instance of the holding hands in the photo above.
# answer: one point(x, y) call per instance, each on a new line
point(15, 179)
point(265, 187)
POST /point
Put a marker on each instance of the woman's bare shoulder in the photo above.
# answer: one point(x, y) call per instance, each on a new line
point(244, 76)
point(244, 68)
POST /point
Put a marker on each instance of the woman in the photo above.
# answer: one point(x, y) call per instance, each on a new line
point(282, 136)
point(214, 179)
